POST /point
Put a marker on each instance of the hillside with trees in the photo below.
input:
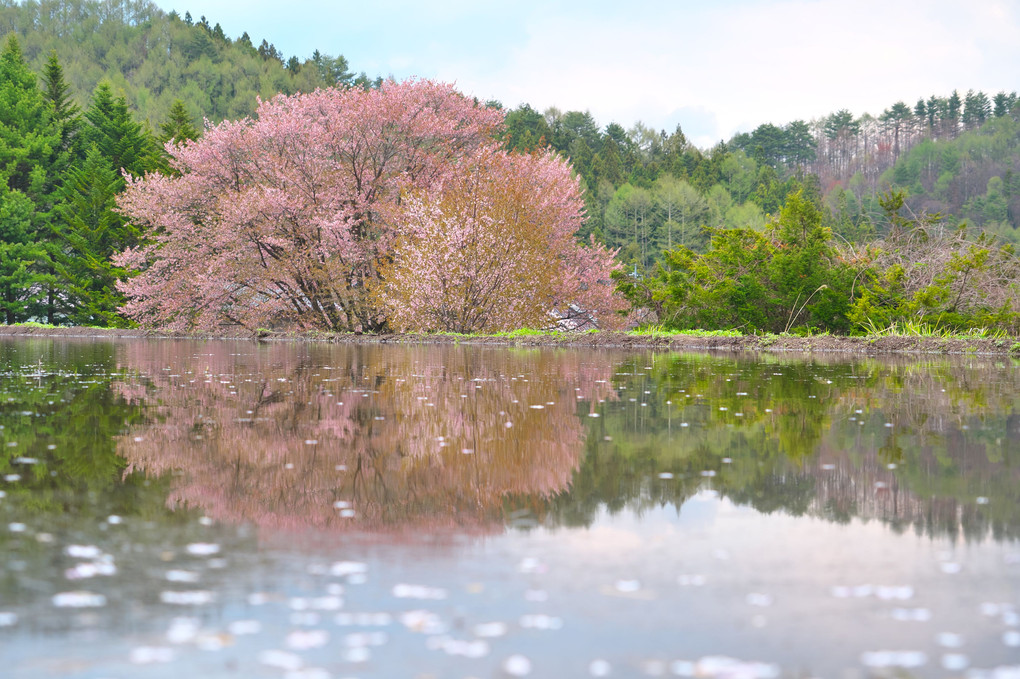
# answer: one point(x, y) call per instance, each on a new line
point(648, 191)
point(154, 58)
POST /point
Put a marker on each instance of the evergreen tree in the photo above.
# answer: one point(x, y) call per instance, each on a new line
point(23, 286)
point(122, 141)
point(66, 114)
point(178, 125)
point(953, 108)
point(91, 232)
point(30, 160)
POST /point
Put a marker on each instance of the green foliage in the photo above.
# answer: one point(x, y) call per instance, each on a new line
point(771, 281)
point(927, 276)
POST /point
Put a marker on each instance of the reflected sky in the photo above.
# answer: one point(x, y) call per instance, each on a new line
point(234, 509)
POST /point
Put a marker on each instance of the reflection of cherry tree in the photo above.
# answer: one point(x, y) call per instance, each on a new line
point(365, 436)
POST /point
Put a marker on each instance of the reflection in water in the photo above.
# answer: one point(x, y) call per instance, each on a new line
point(686, 514)
point(375, 437)
point(927, 444)
point(370, 438)
point(457, 437)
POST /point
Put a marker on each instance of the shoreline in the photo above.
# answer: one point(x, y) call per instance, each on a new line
point(866, 346)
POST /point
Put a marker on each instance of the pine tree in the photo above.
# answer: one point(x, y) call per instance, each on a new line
point(91, 231)
point(30, 162)
point(118, 137)
point(178, 125)
point(65, 112)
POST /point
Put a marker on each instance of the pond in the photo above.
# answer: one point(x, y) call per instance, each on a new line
point(305, 511)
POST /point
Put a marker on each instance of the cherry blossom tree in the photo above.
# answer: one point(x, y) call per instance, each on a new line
point(351, 209)
point(283, 220)
point(491, 247)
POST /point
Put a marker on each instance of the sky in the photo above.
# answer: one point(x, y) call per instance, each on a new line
point(714, 68)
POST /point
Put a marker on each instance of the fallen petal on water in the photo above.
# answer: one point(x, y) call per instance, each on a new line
point(242, 627)
point(949, 640)
point(147, 655)
point(203, 549)
point(302, 640)
point(305, 619)
point(187, 598)
point(344, 568)
point(911, 614)
point(682, 668)
point(904, 659)
point(517, 666)
point(358, 654)
point(280, 659)
point(490, 629)
point(424, 622)
point(182, 630)
point(901, 593)
point(541, 621)
point(182, 576)
point(405, 591)
point(78, 599)
point(531, 565)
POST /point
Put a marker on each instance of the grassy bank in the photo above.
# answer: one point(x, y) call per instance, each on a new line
point(887, 342)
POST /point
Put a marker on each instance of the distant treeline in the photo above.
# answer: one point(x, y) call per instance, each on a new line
point(649, 190)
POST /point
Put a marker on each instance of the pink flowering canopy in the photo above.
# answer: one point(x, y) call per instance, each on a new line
point(291, 219)
point(491, 247)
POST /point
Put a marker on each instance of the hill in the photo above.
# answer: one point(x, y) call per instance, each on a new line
point(155, 58)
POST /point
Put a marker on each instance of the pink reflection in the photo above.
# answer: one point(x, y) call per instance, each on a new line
point(365, 438)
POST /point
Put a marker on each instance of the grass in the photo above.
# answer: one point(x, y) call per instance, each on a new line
point(932, 330)
point(521, 332)
point(33, 324)
point(659, 331)
point(47, 326)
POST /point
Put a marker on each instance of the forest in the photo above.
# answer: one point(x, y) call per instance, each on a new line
point(841, 224)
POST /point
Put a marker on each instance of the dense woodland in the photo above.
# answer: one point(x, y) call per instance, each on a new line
point(866, 210)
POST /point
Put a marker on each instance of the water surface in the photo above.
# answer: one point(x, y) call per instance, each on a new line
point(239, 510)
